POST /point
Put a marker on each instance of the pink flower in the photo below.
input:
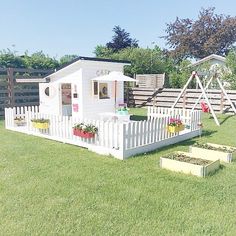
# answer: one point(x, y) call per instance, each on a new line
point(175, 122)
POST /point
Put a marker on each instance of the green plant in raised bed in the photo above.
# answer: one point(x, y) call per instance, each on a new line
point(210, 147)
point(184, 158)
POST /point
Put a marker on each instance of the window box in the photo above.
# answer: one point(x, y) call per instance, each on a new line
point(83, 134)
point(175, 129)
point(40, 123)
point(19, 121)
point(85, 130)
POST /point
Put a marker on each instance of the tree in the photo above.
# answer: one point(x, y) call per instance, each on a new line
point(179, 75)
point(231, 64)
point(39, 60)
point(121, 40)
point(67, 59)
point(102, 51)
point(144, 60)
point(9, 58)
point(210, 33)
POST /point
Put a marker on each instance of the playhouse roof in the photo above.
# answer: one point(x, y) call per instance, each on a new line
point(208, 58)
point(87, 59)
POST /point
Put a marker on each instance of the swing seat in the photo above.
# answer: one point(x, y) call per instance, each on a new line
point(205, 107)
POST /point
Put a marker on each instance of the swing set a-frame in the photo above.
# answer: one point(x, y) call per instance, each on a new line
point(206, 107)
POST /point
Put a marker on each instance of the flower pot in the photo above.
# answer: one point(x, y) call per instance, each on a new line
point(20, 122)
point(123, 112)
point(175, 129)
point(83, 134)
point(39, 125)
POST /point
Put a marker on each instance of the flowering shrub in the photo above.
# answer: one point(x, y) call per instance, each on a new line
point(87, 128)
point(175, 122)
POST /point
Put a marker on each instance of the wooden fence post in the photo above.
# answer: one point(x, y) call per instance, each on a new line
point(10, 87)
point(221, 102)
point(184, 99)
point(127, 96)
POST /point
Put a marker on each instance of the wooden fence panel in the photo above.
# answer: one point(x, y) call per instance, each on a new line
point(141, 97)
point(15, 91)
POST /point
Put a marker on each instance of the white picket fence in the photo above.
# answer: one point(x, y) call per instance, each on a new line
point(118, 139)
point(188, 117)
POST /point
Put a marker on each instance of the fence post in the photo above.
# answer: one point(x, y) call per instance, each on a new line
point(127, 97)
point(122, 140)
point(221, 102)
point(184, 99)
point(10, 87)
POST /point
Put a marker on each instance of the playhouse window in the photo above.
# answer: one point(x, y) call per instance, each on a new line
point(46, 91)
point(95, 88)
point(103, 91)
point(66, 94)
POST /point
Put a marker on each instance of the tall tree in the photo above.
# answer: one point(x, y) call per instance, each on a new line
point(9, 58)
point(231, 64)
point(102, 51)
point(121, 40)
point(210, 33)
point(67, 59)
point(144, 60)
point(39, 60)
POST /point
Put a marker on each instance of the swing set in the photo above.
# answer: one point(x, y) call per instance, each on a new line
point(205, 105)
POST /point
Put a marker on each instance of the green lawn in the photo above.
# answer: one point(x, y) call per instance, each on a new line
point(49, 188)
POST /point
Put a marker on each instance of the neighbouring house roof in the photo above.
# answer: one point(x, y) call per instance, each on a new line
point(81, 58)
point(208, 58)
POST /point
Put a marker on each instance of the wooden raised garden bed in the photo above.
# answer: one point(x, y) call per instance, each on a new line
point(186, 163)
point(211, 151)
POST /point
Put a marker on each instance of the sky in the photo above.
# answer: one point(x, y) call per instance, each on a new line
point(60, 27)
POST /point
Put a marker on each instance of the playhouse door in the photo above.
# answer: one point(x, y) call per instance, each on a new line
point(66, 99)
point(49, 98)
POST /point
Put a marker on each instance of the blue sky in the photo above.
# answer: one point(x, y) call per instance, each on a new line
point(76, 27)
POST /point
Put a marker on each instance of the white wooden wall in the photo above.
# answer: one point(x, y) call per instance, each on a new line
point(92, 105)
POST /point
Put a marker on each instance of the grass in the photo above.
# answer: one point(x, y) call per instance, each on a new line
point(49, 188)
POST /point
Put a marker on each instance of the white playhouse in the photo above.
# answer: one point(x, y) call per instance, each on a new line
point(87, 92)
point(76, 90)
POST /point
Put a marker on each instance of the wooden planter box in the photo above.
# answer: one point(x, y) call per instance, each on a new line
point(175, 129)
point(39, 125)
point(20, 122)
point(83, 134)
point(189, 168)
point(212, 155)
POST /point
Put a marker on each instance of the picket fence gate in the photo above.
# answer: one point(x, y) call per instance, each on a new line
point(120, 140)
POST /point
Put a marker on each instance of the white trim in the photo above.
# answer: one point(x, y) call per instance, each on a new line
point(208, 58)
